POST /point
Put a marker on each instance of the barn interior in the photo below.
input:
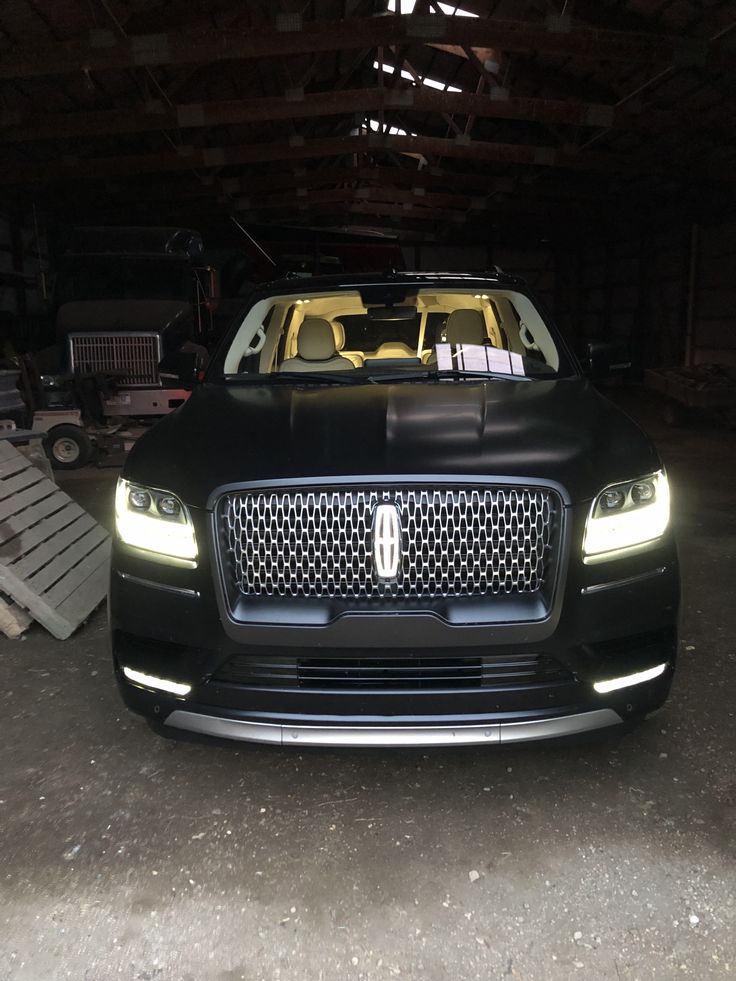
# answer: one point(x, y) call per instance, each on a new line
point(587, 146)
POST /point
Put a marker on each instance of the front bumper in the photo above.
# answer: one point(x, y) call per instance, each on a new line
point(407, 735)
point(610, 620)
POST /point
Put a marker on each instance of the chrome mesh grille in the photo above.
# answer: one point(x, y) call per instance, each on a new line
point(133, 358)
point(455, 541)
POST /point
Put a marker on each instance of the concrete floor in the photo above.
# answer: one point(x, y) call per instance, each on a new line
point(123, 855)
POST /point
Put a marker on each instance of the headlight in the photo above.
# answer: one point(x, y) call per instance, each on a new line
point(626, 516)
point(154, 520)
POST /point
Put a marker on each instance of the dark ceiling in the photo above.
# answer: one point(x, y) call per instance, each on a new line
point(531, 114)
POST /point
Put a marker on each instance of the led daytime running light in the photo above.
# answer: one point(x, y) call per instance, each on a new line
point(162, 684)
point(627, 680)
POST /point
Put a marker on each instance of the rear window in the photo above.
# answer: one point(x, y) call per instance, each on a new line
point(364, 334)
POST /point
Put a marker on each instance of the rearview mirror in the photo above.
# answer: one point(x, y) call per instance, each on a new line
point(391, 313)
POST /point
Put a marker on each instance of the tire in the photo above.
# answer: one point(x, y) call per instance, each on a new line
point(68, 447)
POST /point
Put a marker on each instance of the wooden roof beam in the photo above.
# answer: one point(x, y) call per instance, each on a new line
point(324, 213)
point(15, 128)
point(297, 148)
point(376, 195)
point(103, 50)
point(482, 191)
point(444, 209)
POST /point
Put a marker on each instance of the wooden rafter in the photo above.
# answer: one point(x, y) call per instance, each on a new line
point(104, 51)
point(289, 210)
point(298, 148)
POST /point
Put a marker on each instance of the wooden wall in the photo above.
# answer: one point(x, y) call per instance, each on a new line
point(668, 294)
point(20, 286)
point(646, 288)
point(714, 311)
point(633, 289)
point(535, 264)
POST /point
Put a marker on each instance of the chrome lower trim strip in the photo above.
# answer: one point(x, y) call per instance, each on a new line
point(617, 583)
point(504, 732)
point(150, 584)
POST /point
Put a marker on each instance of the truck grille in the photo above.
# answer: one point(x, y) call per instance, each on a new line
point(496, 671)
point(132, 358)
point(454, 541)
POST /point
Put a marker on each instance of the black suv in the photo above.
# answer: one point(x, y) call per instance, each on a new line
point(394, 512)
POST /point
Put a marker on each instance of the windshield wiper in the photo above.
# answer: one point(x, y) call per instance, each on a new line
point(466, 373)
point(290, 377)
point(435, 375)
point(359, 378)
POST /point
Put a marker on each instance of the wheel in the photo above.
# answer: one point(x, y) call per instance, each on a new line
point(68, 447)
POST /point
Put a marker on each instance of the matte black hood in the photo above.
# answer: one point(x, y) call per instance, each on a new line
point(562, 431)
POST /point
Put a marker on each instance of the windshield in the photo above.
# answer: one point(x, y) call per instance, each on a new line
point(385, 334)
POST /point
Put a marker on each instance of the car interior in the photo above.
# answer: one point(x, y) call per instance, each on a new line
point(345, 331)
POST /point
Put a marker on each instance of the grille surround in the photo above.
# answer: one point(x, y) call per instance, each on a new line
point(133, 356)
point(269, 551)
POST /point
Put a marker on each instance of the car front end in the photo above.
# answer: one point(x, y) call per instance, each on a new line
point(412, 563)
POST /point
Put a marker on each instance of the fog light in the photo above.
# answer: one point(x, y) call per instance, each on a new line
point(162, 684)
point(627, 680)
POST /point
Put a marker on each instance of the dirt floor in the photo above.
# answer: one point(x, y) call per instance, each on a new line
point(123, 855)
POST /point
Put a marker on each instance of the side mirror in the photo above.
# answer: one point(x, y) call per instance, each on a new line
point(604, 359)
point(187, 367)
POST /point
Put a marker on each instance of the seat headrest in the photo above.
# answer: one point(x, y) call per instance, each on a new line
point(466, 327)
point(339, 331)
point(315, 340)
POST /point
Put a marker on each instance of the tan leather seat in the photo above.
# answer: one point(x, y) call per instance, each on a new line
point(316, 349)
point(462, 327)
point(394, 349)
point(338, 330)
point(466, 327)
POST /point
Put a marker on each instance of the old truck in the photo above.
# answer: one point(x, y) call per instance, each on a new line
point(129, 303)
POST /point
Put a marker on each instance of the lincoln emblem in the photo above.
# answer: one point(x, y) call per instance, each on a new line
point(386, 541)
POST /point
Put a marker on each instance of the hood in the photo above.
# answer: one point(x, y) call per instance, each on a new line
point(561, 431)
point(109, 316)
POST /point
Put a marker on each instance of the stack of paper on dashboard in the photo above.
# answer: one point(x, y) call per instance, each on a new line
point(478, 357)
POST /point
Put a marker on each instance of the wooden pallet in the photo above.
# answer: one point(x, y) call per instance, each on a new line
point(54, 557)
point(13, 619)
